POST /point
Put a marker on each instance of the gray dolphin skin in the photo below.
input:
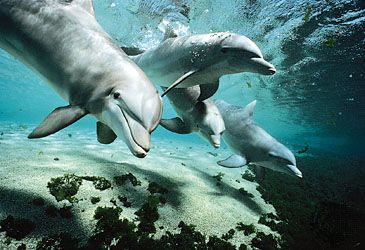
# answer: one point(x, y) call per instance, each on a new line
point(62, 41)
point(252, 144)
point(202, 117)
point(201, 60)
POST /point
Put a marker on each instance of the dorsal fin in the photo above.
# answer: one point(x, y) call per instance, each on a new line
point(169, 33)
point(248, 111)
point(85, 4)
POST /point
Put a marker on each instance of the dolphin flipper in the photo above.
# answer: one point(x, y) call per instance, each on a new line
point(178, 81)
point(234, 161)
point(207, 90)
point(104, 133)
point(58, 119)
point(175, 125)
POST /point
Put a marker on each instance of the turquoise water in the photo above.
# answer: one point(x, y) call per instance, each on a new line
point(315, 98)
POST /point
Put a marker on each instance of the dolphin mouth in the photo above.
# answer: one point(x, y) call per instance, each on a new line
point(295, 171)
point(135, 136)
point(272, 71)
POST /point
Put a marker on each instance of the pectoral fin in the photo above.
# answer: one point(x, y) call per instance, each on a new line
point(179, 81)
point(234, 161)
point(175, 125)
point(208, 90)
point(105, 134)
point(59, 118)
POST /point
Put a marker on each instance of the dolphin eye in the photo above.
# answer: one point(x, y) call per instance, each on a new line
point(116, 95)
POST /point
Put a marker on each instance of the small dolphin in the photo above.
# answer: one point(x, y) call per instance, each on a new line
point(252, 144)
point(201, 60)
point(62, 41)
point(196, 116)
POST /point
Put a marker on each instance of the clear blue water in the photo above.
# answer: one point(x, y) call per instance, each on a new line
point(316, 96)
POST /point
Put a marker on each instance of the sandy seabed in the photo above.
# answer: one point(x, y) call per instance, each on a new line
point(185, 169)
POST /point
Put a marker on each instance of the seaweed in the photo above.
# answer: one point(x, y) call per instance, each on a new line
point(245, 193)
point(229, 235)
point(305, 149)
point(120, 180)
point(216, 243)
point(307, 13)
point(113, 201)
point(148, 215)
point(330, 42)
point(56, 159)
point(99, 182)
point(247, 229)
point(124, 200)
point(154, 187)
point(16, 228)
point(264, 241)
point(94, 199)
point(58, 242)
point(22, 247)
point(248, 175)
point(64, 188)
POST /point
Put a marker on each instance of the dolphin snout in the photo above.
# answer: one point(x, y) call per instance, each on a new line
point(263, 67)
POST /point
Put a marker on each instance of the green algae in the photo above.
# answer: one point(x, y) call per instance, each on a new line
point(95, 199)
point(122, 179)
point(264, 241)
point(248, 175)
point(65, 187)
point(124, 200)
point(246, 229)
point(61, 241)
point(154, 187)
point(244, 192)
point(99, 182)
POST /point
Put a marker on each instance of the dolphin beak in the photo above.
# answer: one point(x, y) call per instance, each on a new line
point(263, 66)
point(215, 140)
point(294, 170)
point(128, 129)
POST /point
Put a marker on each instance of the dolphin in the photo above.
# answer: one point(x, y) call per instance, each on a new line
point(187, 61)
point(202, 117)
point(252, 144)
point(62, 41)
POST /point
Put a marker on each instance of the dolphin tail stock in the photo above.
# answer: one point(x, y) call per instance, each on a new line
point(179, 81)
point(105, 135)
point(58, 119)
point(233, 161)
point(175, 125)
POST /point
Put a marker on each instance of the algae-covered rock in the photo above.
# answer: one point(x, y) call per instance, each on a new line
point(65, 187)
point(16, 228)
point(245, 193)
point(248, 175)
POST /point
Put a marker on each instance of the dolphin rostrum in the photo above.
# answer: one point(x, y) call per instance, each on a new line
point(62, 41)
point(202, 117)
point(251, 144)
point(201, 60)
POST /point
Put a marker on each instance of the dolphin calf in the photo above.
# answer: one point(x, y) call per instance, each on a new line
point(201, 60)
point(252, 144)
point(202, 117)
point(62, 41)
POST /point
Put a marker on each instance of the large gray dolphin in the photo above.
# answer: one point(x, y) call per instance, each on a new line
point(252, 144)
point(202, 117)
point(62, 41)
point(201, 60)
